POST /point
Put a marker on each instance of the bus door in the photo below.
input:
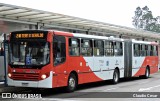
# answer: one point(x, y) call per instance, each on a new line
point(59, 58)
point(128, 58)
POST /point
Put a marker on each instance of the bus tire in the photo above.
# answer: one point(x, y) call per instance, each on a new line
point(115, 77)
point(72, 83)
point(147, 73)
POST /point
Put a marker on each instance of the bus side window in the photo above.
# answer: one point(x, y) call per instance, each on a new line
point(74, 47)
point(143, 50)
point(86, 47)
point(118, 49)
point(59, 50)
point(155, 50)
point(109, 48)
point(149, 50)
point(98, 48)
point(137, 50)
point(146, 49)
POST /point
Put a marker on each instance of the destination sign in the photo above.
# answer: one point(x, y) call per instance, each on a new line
point(30, 35)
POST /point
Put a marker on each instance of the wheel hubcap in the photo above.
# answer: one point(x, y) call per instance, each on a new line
point(71, 82)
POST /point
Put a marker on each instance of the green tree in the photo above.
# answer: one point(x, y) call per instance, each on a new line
point(143, 19)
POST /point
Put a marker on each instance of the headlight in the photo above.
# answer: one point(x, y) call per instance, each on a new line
point(9, 74)
point(44, 76)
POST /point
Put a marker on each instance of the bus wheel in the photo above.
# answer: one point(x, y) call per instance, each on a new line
point(147, 73)
point(115, 77)
point(72, 83)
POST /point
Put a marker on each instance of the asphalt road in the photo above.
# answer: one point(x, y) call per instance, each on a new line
point(134, 89)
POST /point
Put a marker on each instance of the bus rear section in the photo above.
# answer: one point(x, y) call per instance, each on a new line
point(141, 58)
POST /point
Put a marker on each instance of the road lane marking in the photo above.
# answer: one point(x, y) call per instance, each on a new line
point(143, 82)
point(149, 88)
point(111, 89)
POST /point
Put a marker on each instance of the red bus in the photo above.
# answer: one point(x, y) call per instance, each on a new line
point(49, 59)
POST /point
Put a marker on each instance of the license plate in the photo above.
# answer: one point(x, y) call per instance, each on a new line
point(24, 84)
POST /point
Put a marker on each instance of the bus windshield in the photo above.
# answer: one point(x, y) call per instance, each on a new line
point(28, 53)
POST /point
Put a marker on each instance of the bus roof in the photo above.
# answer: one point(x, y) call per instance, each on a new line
point(96, 37)
point(80, 35)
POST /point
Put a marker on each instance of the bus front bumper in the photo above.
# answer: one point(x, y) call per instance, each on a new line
point(46, 83)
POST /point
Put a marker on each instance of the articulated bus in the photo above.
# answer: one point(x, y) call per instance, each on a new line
point(50, 59)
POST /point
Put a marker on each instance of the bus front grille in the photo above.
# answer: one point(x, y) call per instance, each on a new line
point(25, 76)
